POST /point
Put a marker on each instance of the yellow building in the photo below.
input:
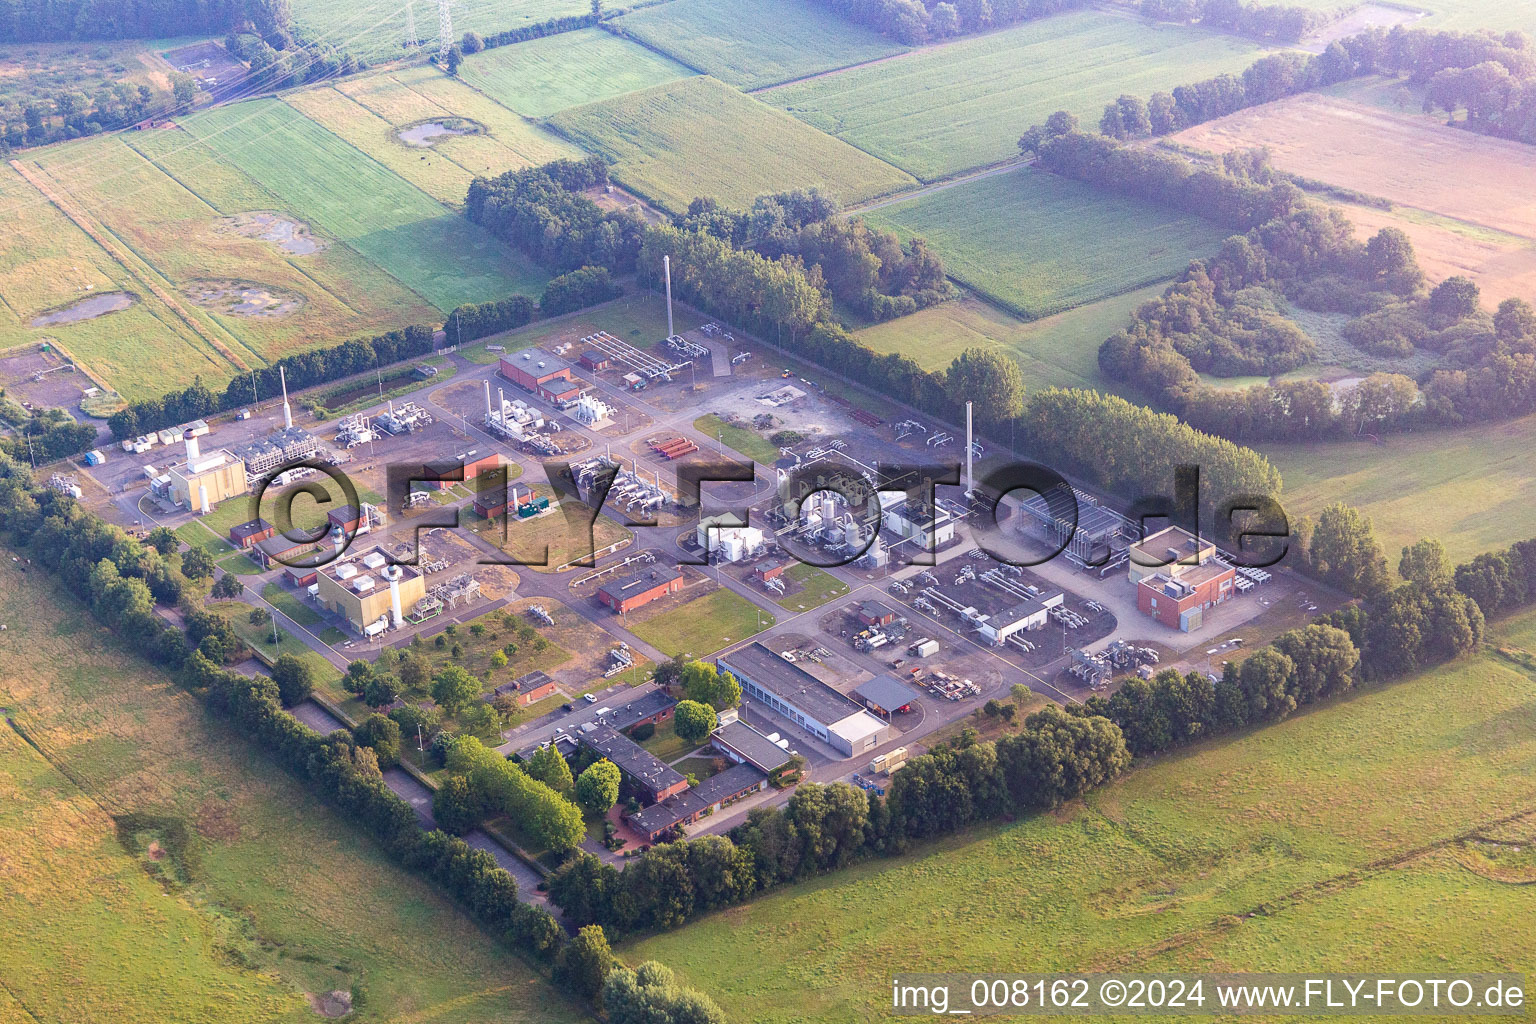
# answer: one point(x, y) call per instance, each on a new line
point(369, 592)
point(202, 481)
point(1172, 552)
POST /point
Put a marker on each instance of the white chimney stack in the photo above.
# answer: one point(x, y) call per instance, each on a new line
point(394, 603)
point(488, 401)
point(666, 269)
point(287, 409)
point(970, 451)
point(193, 452)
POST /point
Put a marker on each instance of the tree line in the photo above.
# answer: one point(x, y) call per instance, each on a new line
point(1284, 23)
point(122, 579)
point(1053, 759)
point(287, 58)
point(39, 21)
point(1228, 314)
point(869, 269)
point(541, 210)
point(42, 435)
point(40, 120)
point(914, 22)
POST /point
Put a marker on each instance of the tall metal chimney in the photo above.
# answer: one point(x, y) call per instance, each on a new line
point(192, 451)
point(666, 269)
point(287, 409)
point(394, 602)
point(487, 401)
point(970, 452)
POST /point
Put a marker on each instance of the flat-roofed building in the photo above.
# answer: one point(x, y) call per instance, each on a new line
point(202, 481)
point(369, 591)
point(279, 549)
point(1171, 552)
point(1030, 614)
point(631, 592)
point(247, 535)
point(543, 373)
point(1180, 602)
point(652, 777)
point(737, 781)
point(745, 745)
point(800, 697)
point(885, 695)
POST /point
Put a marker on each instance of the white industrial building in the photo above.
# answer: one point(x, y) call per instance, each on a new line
point(800, 697)
point(724, 537)
point(1031, 614)
point(930, 528)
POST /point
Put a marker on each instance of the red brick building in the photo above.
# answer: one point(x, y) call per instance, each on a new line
point(770, 570)
point(1180, 602)
point(632, 592)
point(248, 535)
point(546, 375)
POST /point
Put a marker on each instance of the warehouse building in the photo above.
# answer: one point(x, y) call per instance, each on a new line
point(803, 699)
point(278, 549)
point(546, 375)
point(443, 475)
point(641, 589)
point(650, 776)
point(735, 782)
point(371, 593)
point(885, 695)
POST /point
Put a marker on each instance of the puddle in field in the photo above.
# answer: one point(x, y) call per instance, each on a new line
point(87, 309)
point(427, 133)
point(243, 298)
point(289, 235)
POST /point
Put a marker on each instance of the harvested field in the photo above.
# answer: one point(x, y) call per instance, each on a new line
point(343, 192)
point(756, 43)
point(1036, 244)
point(1503, 265)
point(391, 117)
point(542, 76)
point(942, 109)
point(1407, 160)
point(699, 137)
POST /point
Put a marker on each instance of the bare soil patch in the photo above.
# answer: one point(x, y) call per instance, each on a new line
point(243, 298)
point(289, 235)
point(1491, 182)
point(330, 1004)
point(88, 308)
point(1504, 266)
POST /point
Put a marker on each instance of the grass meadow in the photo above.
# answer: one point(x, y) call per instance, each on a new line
point(165, 201)
point(1472, 489)
point(755, 43)
point(353, 198)
point(1056, 351)
point(1167, 868)
point(543, 76)
point(375, 29)
point(1037, 244)
point(277, 897)
point(944, 109)
point(699, 137)
point(369, 112)
point(48, 262)
point(705, 624)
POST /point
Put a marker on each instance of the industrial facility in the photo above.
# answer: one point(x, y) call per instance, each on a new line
point(794, 693)
point(371, 593)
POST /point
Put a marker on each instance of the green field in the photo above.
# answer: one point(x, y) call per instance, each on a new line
point(1057, 351)
point(1472, 489)
point(755, 43)
point(944, 109)
point(816, 588)
point(744, 439)
point(1036, 244)
point(370, 111)
point(375, 29)
point(279, 897)
point(702, 626)
point(356, 199)
point(542, 76)
point(1166, 868)
point(47, 262)
point(699, 137)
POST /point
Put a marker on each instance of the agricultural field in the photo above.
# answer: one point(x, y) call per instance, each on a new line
point(48, 264)
point(1471, 489)
point(699, 137)
point(358, 201)
point(755, 43)
point(944, 109)
point(393, 117)
point(544, 76)
point(1168, 866)
point(169, 205)
point(1503, 265)
point(1056, 351)
point(704, 625)
point(1037, 244)
point(271, 897)
point(1407, 160)
point(375, 29)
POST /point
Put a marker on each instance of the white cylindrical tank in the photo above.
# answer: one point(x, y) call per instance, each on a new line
point(394, 602)
point(851, 532)
point(202, 498)
point(338, 538)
